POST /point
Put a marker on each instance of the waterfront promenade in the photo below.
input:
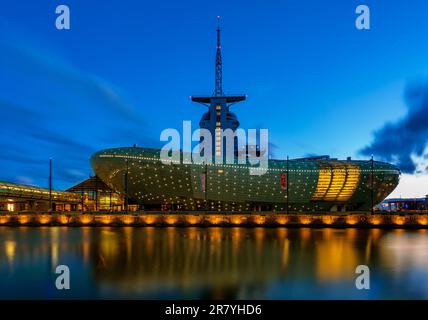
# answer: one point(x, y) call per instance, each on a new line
point(206, 219)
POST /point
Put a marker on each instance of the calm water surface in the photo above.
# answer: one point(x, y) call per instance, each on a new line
point(193, 263)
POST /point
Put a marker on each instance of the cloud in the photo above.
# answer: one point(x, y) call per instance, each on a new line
point(411, 186)
point(404, 141)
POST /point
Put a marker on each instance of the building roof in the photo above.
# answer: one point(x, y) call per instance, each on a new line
point(14, 190)
point(93, 183)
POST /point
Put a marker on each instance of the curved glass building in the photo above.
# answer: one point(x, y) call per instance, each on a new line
point(305, 185)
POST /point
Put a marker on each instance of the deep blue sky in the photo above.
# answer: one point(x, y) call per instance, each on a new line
point(126, 69)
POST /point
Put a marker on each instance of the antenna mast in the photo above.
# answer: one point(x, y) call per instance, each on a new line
point(218, 65)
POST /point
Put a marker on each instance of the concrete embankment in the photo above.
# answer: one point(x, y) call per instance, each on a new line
point(268, 219)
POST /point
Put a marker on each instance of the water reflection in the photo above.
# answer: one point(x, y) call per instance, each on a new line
point(215, 262)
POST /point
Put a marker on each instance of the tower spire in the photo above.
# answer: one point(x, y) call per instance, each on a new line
point(218, 98)
point(218, 64)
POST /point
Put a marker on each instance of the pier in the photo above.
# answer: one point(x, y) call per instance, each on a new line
point(208, 219)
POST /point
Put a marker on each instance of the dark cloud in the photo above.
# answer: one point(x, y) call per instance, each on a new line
point(397, 142)
point(314, 155)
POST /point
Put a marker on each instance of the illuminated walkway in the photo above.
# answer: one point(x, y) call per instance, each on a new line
point(161, 219)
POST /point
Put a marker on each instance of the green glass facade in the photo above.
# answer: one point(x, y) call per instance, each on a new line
point(305, 185)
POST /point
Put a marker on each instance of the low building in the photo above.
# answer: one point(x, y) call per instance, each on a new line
point(23, 198)
point(405, 204)
point(97, 196)
point(91, 195)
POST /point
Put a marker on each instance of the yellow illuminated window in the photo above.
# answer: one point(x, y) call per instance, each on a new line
point(336, 183)
point(324, 180)
point(218, 107)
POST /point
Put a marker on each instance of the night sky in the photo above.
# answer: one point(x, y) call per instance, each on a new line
point(125, 71)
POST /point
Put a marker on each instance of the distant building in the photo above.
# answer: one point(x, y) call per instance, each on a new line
point(404, 204)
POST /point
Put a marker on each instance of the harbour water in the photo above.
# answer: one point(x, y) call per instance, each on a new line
point(212, 263)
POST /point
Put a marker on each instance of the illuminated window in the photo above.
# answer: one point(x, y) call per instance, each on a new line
point(337, 182)
point(218, 107)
